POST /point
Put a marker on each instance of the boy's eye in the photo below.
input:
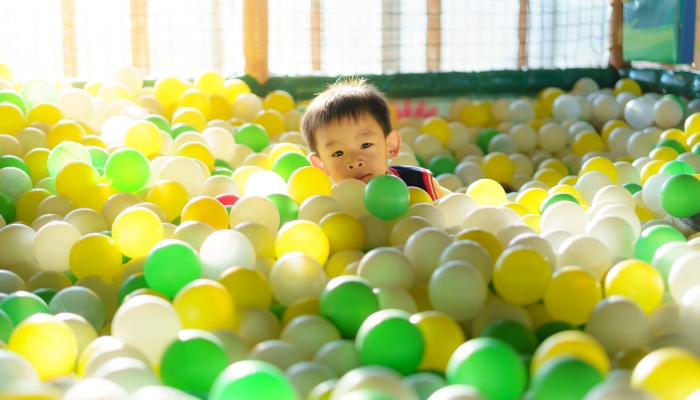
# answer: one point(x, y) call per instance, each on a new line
point(365, 145)
point(337, 153)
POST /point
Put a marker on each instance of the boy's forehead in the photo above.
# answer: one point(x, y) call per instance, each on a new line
point(349, 122)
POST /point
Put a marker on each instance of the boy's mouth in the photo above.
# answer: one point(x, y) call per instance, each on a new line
point(364, 178)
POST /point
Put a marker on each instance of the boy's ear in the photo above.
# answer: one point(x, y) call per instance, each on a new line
point(393, 144)
point(316, 162)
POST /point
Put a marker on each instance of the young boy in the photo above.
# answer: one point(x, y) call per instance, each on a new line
point(348, 130)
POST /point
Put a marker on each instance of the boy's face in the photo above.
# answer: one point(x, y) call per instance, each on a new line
point(355, 148)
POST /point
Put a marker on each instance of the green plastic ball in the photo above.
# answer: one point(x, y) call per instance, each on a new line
point(564, 378)
point(98, 156)
point(654, 237)
point(35, 91)
point(222, 171)
point(550, 328)
point(7, 209)
point(286, 164)
point(13, 161)
point(127, 170)
point(252, 380)
point(11, 96)
point(345, 290)
point(64, 154)
point(672, 143)
point(180, 128)
point(21, 305)
point(222, 164)
point(676, 167)
point(170, 265)
point(514, 333)
point(632, 187)
point(288, 208)
point(485, 137)
point(46, 294)
point(132, 283)
point(6, 326)
point(442, 164)
point(388, 338)
point(193, 361)
point(386, 197)
point(554, 198)
point(490, 365)
point(161, 122)
point(253, 136)
point(680, 196)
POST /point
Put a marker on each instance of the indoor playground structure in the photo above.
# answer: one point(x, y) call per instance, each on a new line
point(164, 235)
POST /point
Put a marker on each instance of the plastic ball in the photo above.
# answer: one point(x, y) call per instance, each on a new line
point(512, 332)
point(487, 192)
point(286, 164)
point(254, 380)
point(303, 236)
point(618, 324)
point(184, 171)
point(170, 196)
point(223, 249)
point(136, 230)
point(627, 85)
point(521, 275)
point(47, 343)
point(670, 373)
point(387, 268)
point(296, 275)
point(287, 208)
point(80, 301)
point(253, 136)
point(205, 304)
point(127, 170)
point(247, 287)
point(21, 305)
point(170, 265)
point(564, 377)
point(387, 338)
point(52, 245)
point(344, 290)
point(566, 107)
point(638, 281)
point(306, 182)
point(95, 255)
point(148, 324)
point(572, 295)
point(207, 210)
point(653, 238)
point(679, 195)
point(491, 366)
point(447, 290)
point(442, 336)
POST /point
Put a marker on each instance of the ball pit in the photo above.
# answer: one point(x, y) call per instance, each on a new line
point(179, 236)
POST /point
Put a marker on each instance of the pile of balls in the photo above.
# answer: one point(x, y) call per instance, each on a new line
point(174, 242)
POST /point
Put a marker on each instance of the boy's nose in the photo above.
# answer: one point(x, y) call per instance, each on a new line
point(356, 164)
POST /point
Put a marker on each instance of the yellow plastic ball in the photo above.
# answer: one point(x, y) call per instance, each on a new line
point(36, 162)
point(190, 116)
point(242, 174)
point(586, 142)
point(113, 91)
point(436, 126)
point(93, 87)
point(692, 124)
point(136, 231)
point(145, 137)
point(627, 85)
point(205, 304)
point(170, 196)
point(340, 260)
point(418, 195)
point(195, 98)
point(271, 120)
point(279, 100)
point(303, 236)
point(517, 207)
point(306, 182)
point(93, 140)
point(27, 204)
point(75, 178)
point(208, 210)
point(532, 199)
point(96, 196)
point(210, 83)
point(6, 72)
point(600, 164)
point(247, 287)
point(95, 254)
point(303, 306)
point(670, 373)
point(235, 87)
point(220, 107)
point(487, 192)
point(548, 176)
point(572, 344)
point(344, 232)
point(650, 169)
point(548, 97)
point(572, 294)
point(556, 165)
point(521, 275)
point(675, 134)
point(47, 113)
point(664, 153)
point(169, 90)
point(12, 120)
point(199, 152)
point(498, 166)
point(638, 281)
point(611, 126)
point(64, 131)
point(441, 334)
point(487, 239)
point(533, 221)
point(47, 343)
point(475, 115)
